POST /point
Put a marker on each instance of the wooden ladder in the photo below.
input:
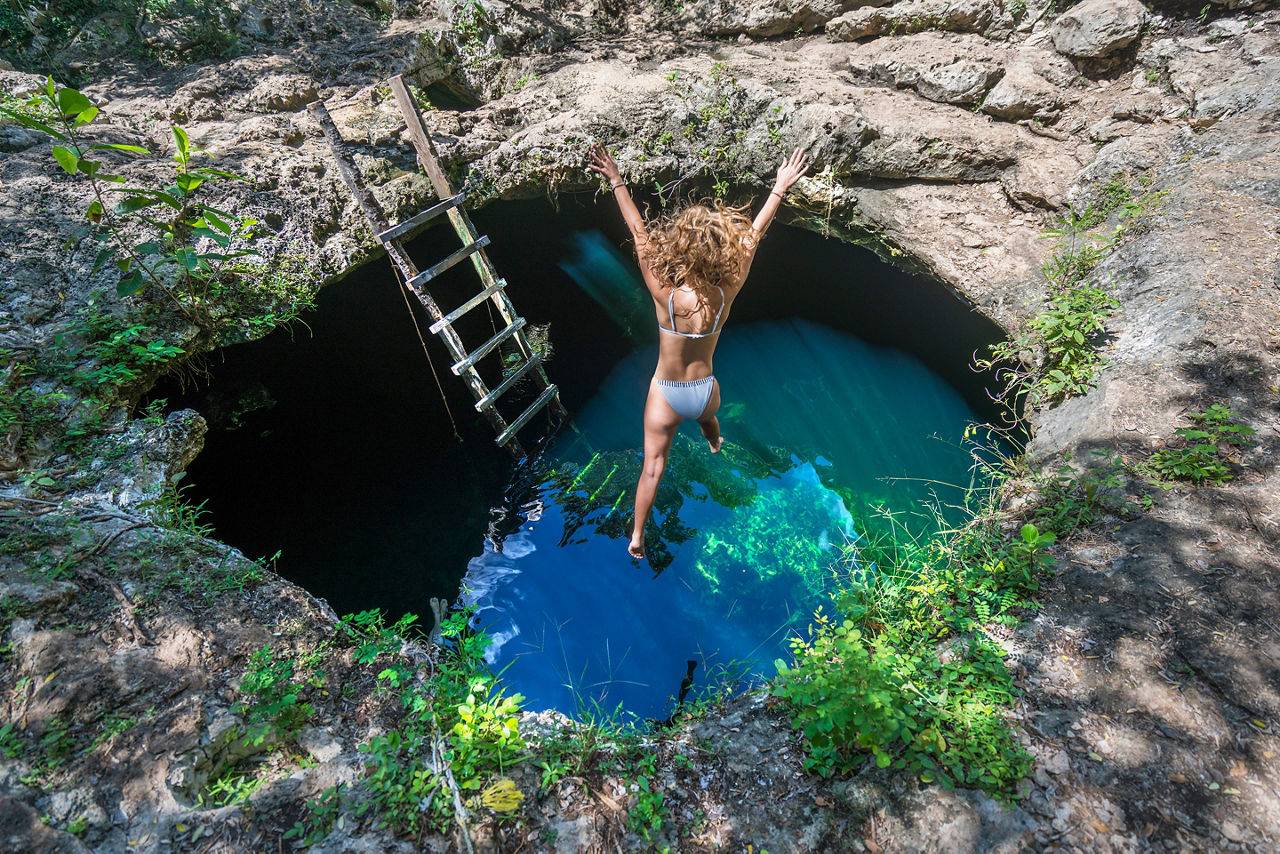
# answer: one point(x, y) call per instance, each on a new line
point(493, 290)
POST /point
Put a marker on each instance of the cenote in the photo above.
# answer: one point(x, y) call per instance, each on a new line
point(847, 392)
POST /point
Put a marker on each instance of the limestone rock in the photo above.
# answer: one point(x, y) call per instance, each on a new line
point(954, 69)
point(936, 143)
point(768, 18)
point(961, 82)
point(22, 830)
point(508, 28)
point(197, 101)
point(1040, 181)
point(959, 821)
point(17, 138)
point(1098, 28)
point(282, 93)
point(1217, 82)
point(1022, 94)
point(914, 16)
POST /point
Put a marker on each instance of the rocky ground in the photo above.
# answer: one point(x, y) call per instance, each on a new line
point(947, 134)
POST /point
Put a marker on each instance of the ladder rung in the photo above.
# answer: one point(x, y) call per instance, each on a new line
point(467, 306)
point(507, 383)
point(418, 219)
point(542, 400)
point(431, 272)
point(483, 349)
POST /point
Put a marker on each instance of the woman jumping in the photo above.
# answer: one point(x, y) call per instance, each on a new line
point(694, 265)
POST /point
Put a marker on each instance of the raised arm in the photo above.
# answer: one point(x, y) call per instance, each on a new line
point(602, 162)
point(789, 172)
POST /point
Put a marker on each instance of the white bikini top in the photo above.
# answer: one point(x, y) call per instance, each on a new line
point(671, 313)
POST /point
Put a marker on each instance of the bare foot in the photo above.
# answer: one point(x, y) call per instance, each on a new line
point(716, 445)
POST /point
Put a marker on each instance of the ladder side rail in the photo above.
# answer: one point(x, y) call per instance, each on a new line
point(378, 220)
point(458, 218)
point(462, 224)
point(368, 203)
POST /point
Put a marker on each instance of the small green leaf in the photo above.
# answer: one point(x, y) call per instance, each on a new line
point(220, 239)
point(133, 204)
point(118, 146)
point(184, 144)
point(86, 116)
point(68, 159)
point(189, 183)
point(71, 102)
point(187, 258)
point(104, 255)
point(94, 214)
point(130, 284)
point(218, 173)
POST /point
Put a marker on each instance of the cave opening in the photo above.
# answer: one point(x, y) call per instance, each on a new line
point(847, 393)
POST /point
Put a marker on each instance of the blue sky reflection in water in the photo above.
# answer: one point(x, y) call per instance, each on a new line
point(821, 429)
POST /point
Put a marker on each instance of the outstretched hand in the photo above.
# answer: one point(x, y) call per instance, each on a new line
point(601, 162)
point(791, 170)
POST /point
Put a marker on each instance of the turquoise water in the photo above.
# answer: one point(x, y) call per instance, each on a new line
point(823, 431)
point(354, 472)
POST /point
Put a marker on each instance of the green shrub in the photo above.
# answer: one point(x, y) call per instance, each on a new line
point(1068, 329)
point(905, 674)
point(186, 241)
point(891, 695)
point(459, 730)
point(1055, 356)
point(272, 694)
point(1205, 452)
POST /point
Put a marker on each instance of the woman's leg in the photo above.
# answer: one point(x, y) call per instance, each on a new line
point(660, 423)
point(709, 423)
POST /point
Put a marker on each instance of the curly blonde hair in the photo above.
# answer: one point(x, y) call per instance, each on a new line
point(701, 246)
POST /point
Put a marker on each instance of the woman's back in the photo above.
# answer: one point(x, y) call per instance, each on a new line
point(689, 323)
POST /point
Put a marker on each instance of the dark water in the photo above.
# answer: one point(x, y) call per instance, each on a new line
point(354, 473)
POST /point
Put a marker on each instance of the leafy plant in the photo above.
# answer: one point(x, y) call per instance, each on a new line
point(459, 729)
point(173, 258)
point(272, 695)
point(891, 695)
point(1206, 450)
point(323, 816)
point(172, 510)
point(228, 789)
point(1070, 498)
point(1055, 356)
point(114, 725)
point(649, 811)
point(1068, 329)
point(10, 742)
